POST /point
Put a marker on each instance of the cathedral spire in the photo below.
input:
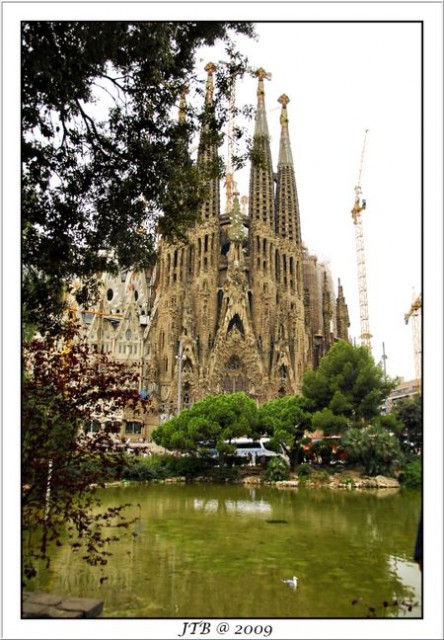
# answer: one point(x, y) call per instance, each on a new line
point(261, 126)
point(342, 317)
point(261, 175)
point(236, 232)
point(285, 156)
point(288, 223)
point(210, 68)
point(207, 157)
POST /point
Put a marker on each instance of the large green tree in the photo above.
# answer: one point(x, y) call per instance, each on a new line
point(106, 162)
point(346, 390)
point(409, 414)
point(210, 424)
point(286, 420)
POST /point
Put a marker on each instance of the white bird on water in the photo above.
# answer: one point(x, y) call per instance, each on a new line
point(293, 582)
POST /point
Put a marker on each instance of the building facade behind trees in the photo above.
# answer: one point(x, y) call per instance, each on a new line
point(241, 306)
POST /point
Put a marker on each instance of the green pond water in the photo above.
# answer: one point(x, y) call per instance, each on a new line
point(210, 551)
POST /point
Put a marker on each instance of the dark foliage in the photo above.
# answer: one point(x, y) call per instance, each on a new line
point(411, 476)
point(347, 389)
point(409, 413)
point(62, 384)
point(105, 159)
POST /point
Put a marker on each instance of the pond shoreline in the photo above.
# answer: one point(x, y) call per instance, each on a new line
point(349, 479)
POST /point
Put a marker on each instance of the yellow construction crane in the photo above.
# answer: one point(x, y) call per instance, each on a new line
point(415, 314)
point(359, 206)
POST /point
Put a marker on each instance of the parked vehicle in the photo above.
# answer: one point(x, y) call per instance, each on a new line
point(251, 450)
point(246, 447)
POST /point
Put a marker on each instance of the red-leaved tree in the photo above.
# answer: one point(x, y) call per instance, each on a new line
point(63, 381)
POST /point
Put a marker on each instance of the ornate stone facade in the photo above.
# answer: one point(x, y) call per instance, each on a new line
point(241, 306)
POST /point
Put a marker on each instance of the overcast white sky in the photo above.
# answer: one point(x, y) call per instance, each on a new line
point(343, 79)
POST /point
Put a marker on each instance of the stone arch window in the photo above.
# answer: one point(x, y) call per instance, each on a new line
point(277, 266)
point(250, 301)
point(186, 394)
point(283, 372)
point(298, 276)
point(187, 366)
point(190, 261)
point(109, 294)
point(236, 322)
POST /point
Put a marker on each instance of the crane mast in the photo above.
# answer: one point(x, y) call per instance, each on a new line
point(359, 206)
point(415, 314)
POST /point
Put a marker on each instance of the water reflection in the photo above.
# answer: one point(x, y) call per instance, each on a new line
point(222, 551)
point(409, 575)
point(242, 507)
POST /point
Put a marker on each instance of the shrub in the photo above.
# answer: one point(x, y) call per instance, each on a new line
point(321, 476)
point(374, 448)
point(188, 466)
point(411, 475)
point(277, 469)
point(304, 470)
point(224, 474)
point(144, 469)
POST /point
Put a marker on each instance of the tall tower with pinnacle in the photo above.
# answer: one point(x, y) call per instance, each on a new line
point(240, 305)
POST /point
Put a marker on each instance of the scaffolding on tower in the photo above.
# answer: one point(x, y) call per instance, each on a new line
point(359, 206)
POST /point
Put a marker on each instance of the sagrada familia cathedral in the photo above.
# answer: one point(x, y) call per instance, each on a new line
point(241, 306)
